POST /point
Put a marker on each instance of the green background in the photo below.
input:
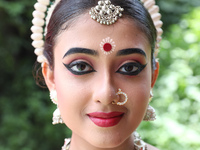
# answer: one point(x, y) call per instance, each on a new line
point(25, 108)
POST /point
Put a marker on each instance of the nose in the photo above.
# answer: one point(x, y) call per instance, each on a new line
point(105, 91)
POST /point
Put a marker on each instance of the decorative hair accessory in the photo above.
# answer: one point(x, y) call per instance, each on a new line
point(107, 45)
point(37, 28)
point(104, 7)
point(56, 114)
point(125, 95)
point(156, 16)
point(105, 12)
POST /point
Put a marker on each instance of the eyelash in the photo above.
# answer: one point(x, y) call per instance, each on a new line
point(78, 67)
point(136, 68)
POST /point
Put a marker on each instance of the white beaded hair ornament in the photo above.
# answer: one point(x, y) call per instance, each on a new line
point(104, 13)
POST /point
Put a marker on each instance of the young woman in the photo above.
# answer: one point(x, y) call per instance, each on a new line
point(98, 62)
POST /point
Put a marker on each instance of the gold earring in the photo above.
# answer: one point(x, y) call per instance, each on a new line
point(57, 117)
point(151, 96)
point(53, 96)
point(150, 112)
point(56, 114)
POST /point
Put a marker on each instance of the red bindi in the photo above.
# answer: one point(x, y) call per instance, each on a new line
point(107, 47)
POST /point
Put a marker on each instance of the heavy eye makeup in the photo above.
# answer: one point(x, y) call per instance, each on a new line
point(134, 59)
point(131, 68)
point(79, 67)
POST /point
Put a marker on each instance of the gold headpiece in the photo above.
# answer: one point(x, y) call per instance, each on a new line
point(104, 13)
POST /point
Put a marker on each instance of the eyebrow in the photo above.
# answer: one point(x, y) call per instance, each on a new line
point(76, 50)
point(129, 51)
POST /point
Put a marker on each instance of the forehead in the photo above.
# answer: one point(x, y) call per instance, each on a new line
point(87, 33)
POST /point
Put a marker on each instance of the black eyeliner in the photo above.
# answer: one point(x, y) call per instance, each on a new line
point(68, 66)
point(140, 68)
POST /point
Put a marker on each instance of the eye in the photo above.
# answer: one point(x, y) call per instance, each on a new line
point(79, 68)
point(131, 68)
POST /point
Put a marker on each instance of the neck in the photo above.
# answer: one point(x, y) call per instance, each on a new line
point(79, 143)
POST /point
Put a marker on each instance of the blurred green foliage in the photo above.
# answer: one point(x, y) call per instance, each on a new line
point(26, 111)
point(177, 91)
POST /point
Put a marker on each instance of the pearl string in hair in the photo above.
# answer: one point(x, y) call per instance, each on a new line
point(39, 21)
point(153, 10)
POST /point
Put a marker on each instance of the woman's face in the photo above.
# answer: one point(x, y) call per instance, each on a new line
point(87, 80)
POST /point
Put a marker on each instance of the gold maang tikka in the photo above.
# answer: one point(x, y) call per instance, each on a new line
point(105, 12)
point(39, 20)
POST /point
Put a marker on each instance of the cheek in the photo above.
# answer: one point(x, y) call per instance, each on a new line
point(138, 102)
point(72, 98)
point(65, 91)
point(68, 103)
point(139, 93)
point(139, 97)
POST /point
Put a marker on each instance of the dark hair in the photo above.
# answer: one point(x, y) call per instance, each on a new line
point(67, 11)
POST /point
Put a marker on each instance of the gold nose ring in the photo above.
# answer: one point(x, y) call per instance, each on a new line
point(121, 93)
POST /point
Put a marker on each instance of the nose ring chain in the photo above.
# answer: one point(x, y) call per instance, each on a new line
point(121, 93)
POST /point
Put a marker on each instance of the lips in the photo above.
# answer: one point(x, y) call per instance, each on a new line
point(102, 119)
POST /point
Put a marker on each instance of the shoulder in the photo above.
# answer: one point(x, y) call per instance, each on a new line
point(150, 147)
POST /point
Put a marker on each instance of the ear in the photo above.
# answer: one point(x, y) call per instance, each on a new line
point(155, 74)
point(48, 76)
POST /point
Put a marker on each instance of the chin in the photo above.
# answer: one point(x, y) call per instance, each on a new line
point(110, 142)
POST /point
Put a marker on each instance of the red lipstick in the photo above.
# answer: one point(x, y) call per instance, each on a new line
point(102, 119)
